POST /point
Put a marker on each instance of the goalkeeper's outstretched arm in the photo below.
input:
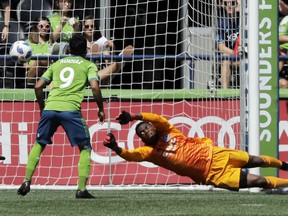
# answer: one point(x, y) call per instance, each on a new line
point(39, 93)
point(136, 155)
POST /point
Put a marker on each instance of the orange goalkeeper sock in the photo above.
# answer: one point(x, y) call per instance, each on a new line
point(273, 182)
point(271, 162)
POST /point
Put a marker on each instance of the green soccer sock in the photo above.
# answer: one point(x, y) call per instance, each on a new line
point(84, 168)
point(33, 160)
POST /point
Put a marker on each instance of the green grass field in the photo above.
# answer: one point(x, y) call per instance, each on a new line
point(142, 202)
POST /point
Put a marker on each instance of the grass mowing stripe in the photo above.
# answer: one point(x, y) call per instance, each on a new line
point(133, 202)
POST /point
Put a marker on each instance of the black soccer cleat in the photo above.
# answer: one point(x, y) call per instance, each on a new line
point(284, 166)
point(24, 189)
point(83, 195)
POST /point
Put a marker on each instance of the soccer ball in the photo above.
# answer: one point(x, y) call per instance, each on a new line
point(20, 51)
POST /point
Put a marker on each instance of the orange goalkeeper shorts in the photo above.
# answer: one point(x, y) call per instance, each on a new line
point(226, 168)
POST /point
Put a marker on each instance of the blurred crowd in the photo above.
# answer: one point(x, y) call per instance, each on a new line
point(227, 43)
point(48, 33)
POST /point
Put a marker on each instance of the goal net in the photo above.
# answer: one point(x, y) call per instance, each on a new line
point(175, 71)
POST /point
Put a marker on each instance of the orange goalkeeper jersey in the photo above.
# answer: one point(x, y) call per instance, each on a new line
point(185, 156)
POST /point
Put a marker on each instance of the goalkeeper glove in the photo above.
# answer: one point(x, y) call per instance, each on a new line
point(110, 141)
point(124, 118)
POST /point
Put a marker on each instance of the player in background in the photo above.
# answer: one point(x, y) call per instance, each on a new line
point(197, 158)
point(69, 76)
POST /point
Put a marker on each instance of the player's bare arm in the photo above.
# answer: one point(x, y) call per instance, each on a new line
point(97, 94)
point(39, 93)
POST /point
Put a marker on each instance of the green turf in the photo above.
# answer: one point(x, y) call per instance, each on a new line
point(142, 202)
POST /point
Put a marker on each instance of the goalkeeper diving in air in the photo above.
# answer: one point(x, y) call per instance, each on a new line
point(197, 158)
point(63, 107)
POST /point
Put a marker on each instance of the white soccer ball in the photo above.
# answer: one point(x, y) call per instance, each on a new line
point(20, 51)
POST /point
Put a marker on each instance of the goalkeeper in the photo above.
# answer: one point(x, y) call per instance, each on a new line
point(69, 76)
point(197, 158)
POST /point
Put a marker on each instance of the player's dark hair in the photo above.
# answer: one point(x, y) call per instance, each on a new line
point(78, 45)
point(137, 126)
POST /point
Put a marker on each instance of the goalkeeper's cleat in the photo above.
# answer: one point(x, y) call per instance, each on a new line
point(83, 195)
point(24, 189)
point(284, 166)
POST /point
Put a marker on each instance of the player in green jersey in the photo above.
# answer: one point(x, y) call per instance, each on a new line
point(70, 76)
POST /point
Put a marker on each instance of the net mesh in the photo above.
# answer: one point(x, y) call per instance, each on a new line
point(175, 71)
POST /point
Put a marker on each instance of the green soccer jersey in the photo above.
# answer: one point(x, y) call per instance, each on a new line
point(70, 76)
